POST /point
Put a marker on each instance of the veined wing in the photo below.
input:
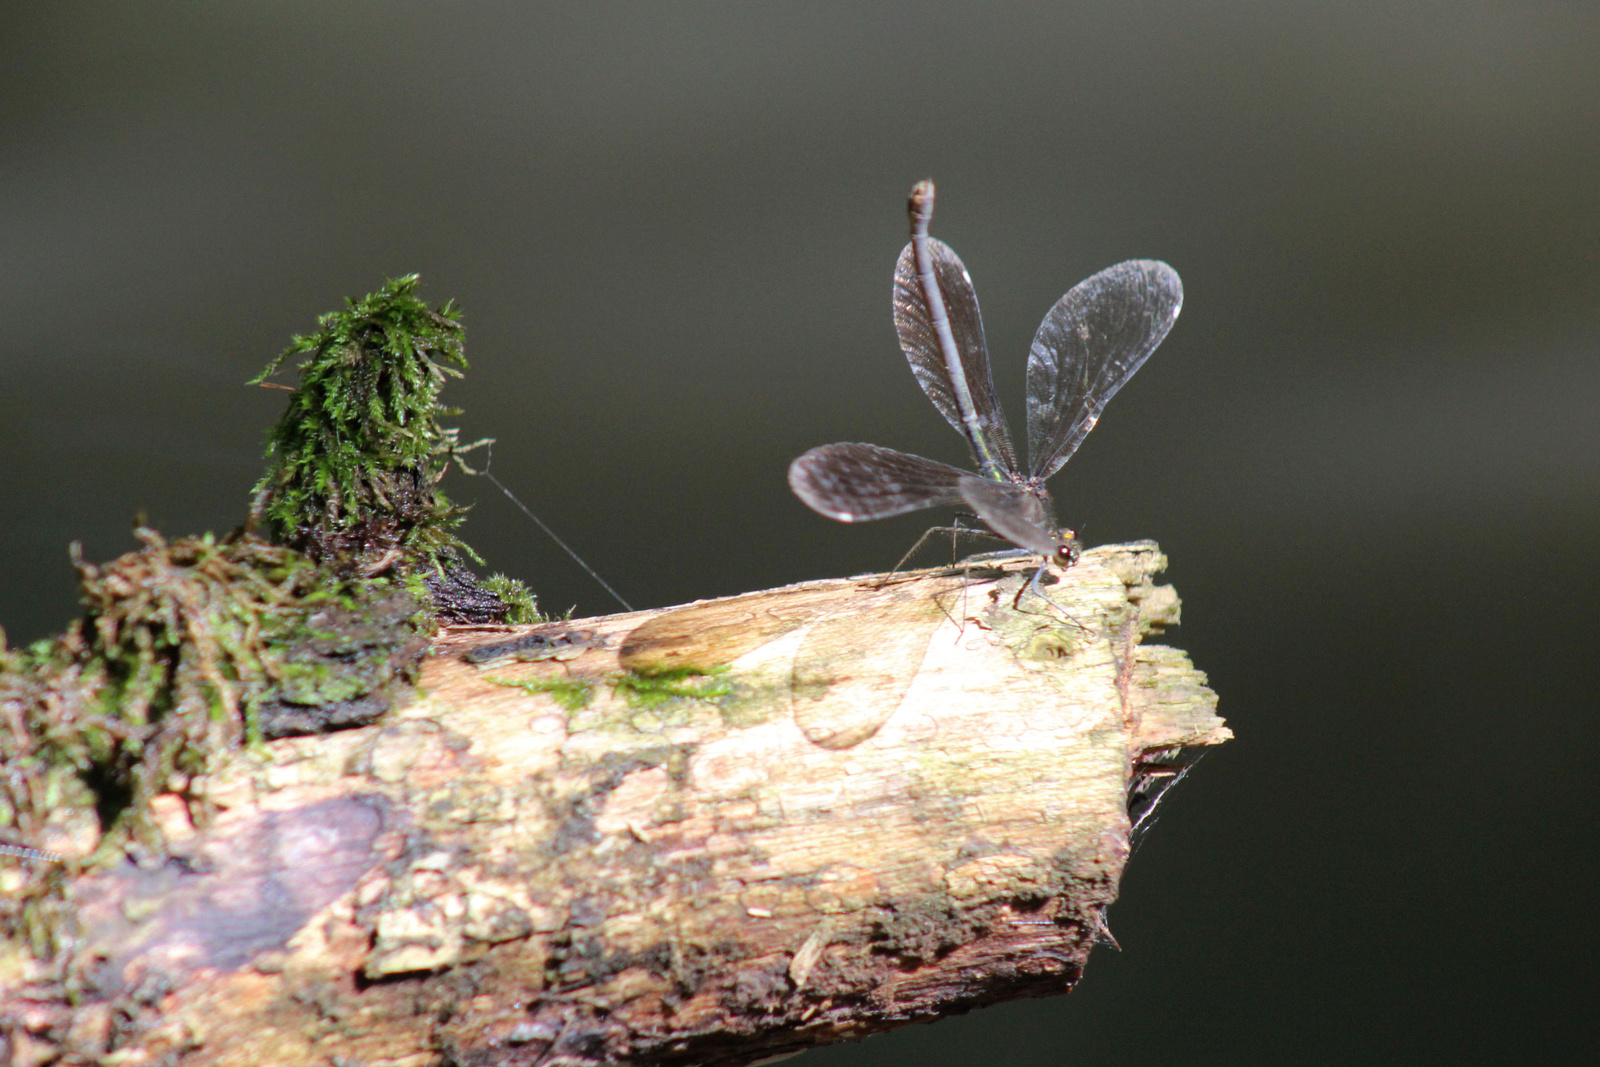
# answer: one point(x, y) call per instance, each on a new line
point(857, 482)
point(1012, 512)
point(920, 342)
point(1089, 344)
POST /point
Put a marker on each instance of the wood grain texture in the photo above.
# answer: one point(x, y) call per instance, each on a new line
point(904, 797)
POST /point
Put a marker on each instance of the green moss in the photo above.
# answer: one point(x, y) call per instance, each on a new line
point(187, 650)
point(649, 690)
point(522, 607)
point(641, 691)
point(573, 694)
point(358, 454)
point(185, 647)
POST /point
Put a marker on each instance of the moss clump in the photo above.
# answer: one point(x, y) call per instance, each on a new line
point(359, 453)
point(522, 607)
point(188, 648)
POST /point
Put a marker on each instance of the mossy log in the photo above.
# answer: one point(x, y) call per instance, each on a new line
point(705, 835)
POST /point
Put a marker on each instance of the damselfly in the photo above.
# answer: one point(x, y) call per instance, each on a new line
point(1088, 346)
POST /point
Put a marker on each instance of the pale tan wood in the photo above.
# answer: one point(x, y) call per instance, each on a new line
point(912, 800)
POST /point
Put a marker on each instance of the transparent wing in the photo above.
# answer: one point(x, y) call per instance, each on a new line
point(1012, 512)
point(921, 346)
point(1087, 347)
point(856, 482)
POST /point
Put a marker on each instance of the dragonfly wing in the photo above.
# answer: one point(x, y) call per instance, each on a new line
point(1089, 344)
point(857, 482)
point(921, 345)
point(1012, 512)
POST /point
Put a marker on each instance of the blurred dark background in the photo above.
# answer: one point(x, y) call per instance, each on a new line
point(1370, 446)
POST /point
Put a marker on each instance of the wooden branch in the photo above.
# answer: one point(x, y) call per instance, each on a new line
point(893, 798)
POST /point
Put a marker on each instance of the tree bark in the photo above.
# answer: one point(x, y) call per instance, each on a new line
point(886, 799)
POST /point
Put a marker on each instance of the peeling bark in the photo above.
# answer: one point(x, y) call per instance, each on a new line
point(893, 798)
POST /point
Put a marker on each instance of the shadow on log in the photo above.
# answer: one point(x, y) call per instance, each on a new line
point(707, 835)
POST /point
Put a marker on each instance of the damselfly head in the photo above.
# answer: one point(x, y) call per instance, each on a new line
point(1067, 552)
